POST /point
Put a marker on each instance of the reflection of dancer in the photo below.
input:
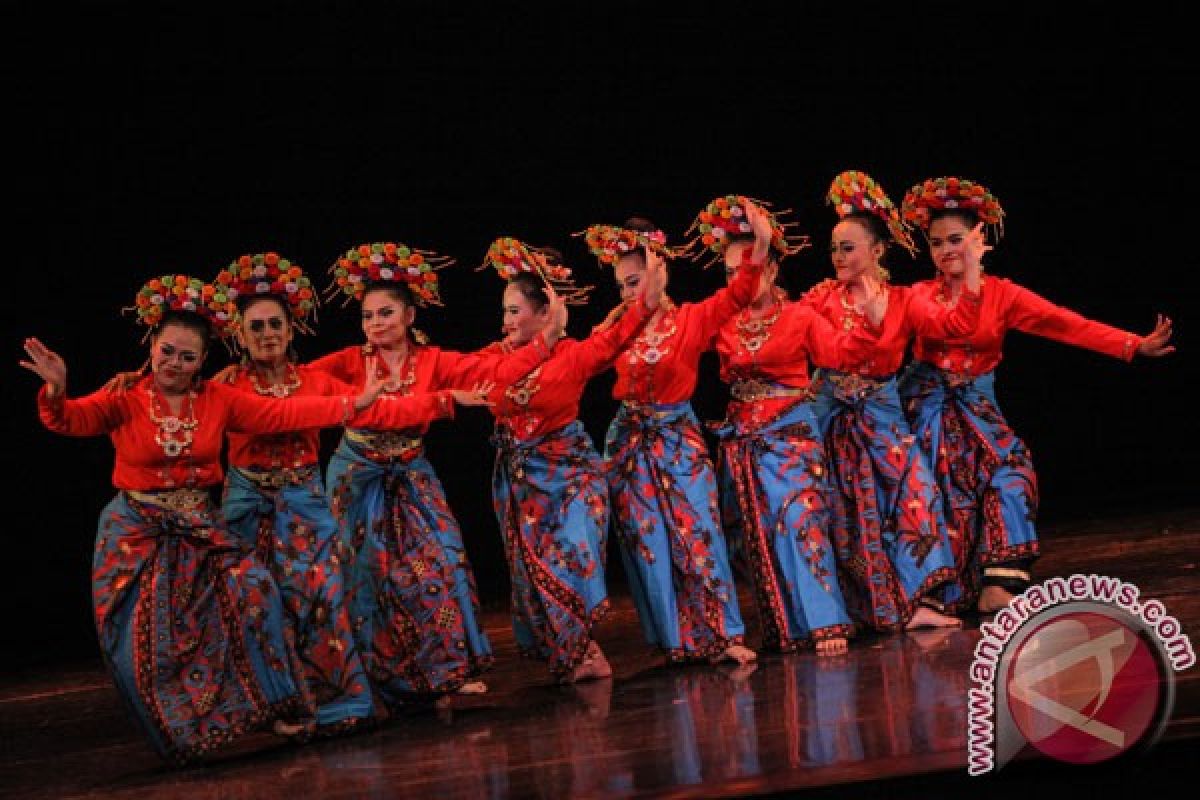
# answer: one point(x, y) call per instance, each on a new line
point(819, 703)
point(412, 598)
point(570, 746)
point(891, 544)
point(548, 486)
point(660, 475)
point(772, 467)
point(708, 717)
point(985, 472)
point(192, 628)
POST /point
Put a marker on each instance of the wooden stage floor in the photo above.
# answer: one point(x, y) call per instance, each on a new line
point(888, 719)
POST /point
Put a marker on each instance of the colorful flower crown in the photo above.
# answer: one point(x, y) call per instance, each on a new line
point(387, 262)
point(609, 242)
point(853, 190)
point(181, 293)
point(724, 220)
point(510, 257)
point(936, 194)
point(268, 274)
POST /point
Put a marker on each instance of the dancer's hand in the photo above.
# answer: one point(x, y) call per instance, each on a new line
point(122, 382)
point(478, 396)
point(875, 305)
point(372, 386)
point(557, 328)
point(975, 246)
point(46, 364)
point(760, 224)
point(227, 374)
point(1154, 345)
point(654, 281)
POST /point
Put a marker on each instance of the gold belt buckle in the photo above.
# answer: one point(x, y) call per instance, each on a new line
point(394, 444)
point(175, 499)
point(854, 385)
point(748, 391)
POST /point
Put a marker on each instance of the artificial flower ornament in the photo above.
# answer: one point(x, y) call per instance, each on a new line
point(936, 194)
point(388, 262)
point(854, 190)
point(268, 274)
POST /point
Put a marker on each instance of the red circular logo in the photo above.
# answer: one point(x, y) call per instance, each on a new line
point(1084, 687)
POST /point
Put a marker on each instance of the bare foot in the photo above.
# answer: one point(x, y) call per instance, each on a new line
point(993, 599)
point(738, 653)
point(833, 647)
point(594, 665)
point(473, 687)
point(926, 617)
point(281, 728)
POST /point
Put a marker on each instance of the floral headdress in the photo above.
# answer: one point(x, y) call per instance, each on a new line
point(268, 274)
point(936, 194)
point(181, 293)
point(609, 242)
point(853, 191)
point(387, 262)
point(510, 257)
point(724, 219)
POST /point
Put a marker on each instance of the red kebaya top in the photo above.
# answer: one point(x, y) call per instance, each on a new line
point(156, 449)
point(548, 398)
point(908, 314)
point(1007, 306)
point(660, 366)
point(429, 369)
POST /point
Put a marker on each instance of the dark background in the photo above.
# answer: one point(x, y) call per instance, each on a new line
point(144, 142)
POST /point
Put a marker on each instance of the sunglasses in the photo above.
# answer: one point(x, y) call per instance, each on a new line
point(260, 325)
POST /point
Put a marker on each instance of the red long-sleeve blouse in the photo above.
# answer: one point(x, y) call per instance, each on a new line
point(661, 364)
point(291, 450)
point(777, 347)
point(141, 443)
point(1007, 306)
point(429, 369)
point(908, 314)
point(548, 398)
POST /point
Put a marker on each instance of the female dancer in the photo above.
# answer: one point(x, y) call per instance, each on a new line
point(984, 471)
point(274, 493)
point(892, 550)
point(548, 486)
point(412, 597)
point(772, 465)
point(191, 627)
point(660, 475)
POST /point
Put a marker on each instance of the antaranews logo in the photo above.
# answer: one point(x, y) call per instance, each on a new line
point(1078, 669)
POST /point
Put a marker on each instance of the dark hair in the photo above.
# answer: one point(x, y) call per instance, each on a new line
point(189, 320)
point(398, 291)
point(965, 215)
point(531, 289)
point(875, 226)
point(244, 301)
point(641, 225)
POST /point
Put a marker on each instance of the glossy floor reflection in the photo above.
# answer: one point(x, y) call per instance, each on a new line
point(892, 707)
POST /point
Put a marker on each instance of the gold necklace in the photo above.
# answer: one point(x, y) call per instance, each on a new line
point(648, 347)
point(401, 384)
point(754, 333)
point(521, 392)
point(291, 383)
point(851, 313)
point(170, 426)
